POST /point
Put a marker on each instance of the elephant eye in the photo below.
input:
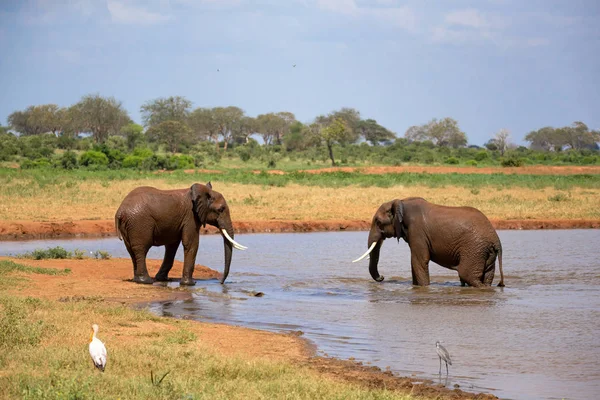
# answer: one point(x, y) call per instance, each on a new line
point(221, 209)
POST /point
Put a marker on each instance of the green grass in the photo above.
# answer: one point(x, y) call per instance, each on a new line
point(35, 179)
point(43, 355)
point(7, 266)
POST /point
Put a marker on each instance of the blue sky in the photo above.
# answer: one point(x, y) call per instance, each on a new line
point(490, 64)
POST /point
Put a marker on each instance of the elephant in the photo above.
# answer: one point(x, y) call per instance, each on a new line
point(150, 217)
point(458, 238)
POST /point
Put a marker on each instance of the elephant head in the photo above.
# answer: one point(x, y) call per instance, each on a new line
point(210, 207)
point(387, 222)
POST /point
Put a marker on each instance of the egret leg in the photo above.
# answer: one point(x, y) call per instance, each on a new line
point(440, 365)
point(446, 368)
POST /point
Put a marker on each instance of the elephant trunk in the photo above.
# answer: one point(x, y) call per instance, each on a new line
point(375, 238)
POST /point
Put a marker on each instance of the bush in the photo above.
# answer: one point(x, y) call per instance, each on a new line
point(182, 162)
point(472, 163)
point(512, 162)
point(132, 162)
point(39, 163)
point(244, 153)
point(91, 157)
point(482, 155)
point(451, 160)
point(69, 160)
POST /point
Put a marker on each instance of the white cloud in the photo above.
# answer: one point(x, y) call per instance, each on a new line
point(403, 17)
point(470, 18)
point(132, 14)
point(339, 6)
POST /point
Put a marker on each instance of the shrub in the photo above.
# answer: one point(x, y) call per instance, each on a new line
point(243, 153)
point(39, 163)
point(69, 160)
point(451, 160)
point(481, 155)
point(512, 162)
point(132, 162)
point(182, 162)
point(91, 157)
point(471, 163)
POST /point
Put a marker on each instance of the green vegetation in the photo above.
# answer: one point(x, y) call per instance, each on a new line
point(7, 266)
point(60, 253)
point(97, 134)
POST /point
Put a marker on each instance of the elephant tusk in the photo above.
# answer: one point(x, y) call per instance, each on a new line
point(235, 244)
point(367, 253)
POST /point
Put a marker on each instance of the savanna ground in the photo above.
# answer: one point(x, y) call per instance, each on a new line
point(50, 203)
point(46, 311)
point(48, 306)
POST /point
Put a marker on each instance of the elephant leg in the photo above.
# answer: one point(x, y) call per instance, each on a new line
point(419, 262)
point(163, 273)
point(469, 272)
point(463, 283)
point(490, 269)
point(141, 272)
point(190, 249)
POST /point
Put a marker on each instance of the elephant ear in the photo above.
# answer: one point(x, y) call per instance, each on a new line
point(398, 213)
point(201, 198)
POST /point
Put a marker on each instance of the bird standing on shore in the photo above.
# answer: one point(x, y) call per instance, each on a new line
point(97, 350)
point(443, 355)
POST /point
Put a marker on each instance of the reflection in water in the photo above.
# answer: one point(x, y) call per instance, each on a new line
point(535, 338)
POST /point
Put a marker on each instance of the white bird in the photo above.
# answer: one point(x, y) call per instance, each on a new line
point(97, 350)
point(443, 355)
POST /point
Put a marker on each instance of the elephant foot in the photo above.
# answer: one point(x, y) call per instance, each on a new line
point(161, 278)
point(145, 279)
point(379, 278)
point(501, 284)
point(187, 282)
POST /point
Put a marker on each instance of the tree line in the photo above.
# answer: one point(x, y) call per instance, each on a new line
point(173, 123)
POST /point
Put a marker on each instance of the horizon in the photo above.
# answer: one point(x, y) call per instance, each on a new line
point(488, 64)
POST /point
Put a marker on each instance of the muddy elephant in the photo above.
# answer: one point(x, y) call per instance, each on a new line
point(457, 238)
point(152, 217)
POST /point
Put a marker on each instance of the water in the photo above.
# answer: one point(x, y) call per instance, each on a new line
point(537, 338)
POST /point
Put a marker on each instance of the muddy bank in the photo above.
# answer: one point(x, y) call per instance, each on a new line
point(26, 230)
point(108, 281)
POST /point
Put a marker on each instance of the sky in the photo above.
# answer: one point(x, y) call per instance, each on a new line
point(489, 64)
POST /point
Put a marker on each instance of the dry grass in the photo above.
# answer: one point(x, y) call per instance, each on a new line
point(43, 354)
point(98, 200)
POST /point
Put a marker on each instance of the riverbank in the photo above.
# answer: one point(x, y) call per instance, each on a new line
point(62, 298)
point(29, 230)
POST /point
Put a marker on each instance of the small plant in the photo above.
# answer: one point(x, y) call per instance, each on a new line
point(101, 255)
point(50, 253)
point(78, 254)
point(559, 197)
point(154, 379)
point(475, 191)
point(250, 201)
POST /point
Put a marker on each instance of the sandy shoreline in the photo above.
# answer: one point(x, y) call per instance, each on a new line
point(109, 281)
point(27, 230)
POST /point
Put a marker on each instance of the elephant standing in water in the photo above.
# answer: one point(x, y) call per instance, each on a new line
point(458, 238)
point(152, 217)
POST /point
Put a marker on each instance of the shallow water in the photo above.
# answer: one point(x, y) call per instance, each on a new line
point(537, 338)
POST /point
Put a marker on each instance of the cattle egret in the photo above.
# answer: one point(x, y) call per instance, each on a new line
point(97, 350)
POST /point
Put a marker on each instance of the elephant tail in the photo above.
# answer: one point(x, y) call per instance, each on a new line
point(118, 226)
point(499, 252)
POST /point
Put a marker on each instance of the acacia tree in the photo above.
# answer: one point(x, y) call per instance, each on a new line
point(577, 136)
point(227, 120)
point(102, 116)
point(204, 125)
point(442, 133)
point(133, 133)
point(174, 108)
point(373, 132)
point(35, 120)
point(170, 133)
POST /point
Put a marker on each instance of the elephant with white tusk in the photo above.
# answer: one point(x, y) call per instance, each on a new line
point(457, 238)
point(152, 217)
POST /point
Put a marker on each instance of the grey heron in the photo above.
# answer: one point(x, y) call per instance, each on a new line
point(443, 355)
